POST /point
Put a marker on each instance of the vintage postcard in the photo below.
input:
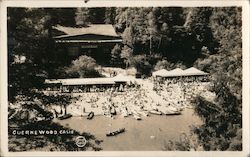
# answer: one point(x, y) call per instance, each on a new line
point(123, 78)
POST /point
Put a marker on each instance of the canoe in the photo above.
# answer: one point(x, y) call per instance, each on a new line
point(143, 113)
point(90, 115)
point(176, 112)
point(170, 110)
point(66, 116)
point(173, 113)
point(124, 113)
point(108, 115)
point(113, 111)
point(129, 112)
point(155, 112)
point(137, 117)
point(116, 132)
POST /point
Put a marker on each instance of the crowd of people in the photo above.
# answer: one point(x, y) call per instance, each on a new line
point(145, 97)
point(109, 103)
point(181, 91)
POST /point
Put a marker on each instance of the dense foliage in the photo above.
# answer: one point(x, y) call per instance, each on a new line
point(23, 78)
point(222, 128)
point(159, 32)
point(223, 119)
point(141, 63)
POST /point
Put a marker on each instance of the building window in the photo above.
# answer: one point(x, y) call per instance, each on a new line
point(73, 51)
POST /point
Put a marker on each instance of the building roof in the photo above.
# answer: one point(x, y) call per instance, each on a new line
point(87, 81)
point(96, 29)
point(174, 73)
point(161, 72)
point(179, 72)
point(194, 72)
point(123, 78)
point(91, 81)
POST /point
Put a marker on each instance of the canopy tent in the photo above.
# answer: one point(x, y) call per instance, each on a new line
point(179, 72)
point(194, 72)
point(174, 73)
point(161, 73)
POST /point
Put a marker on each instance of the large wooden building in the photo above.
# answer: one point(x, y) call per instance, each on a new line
point(96, 41)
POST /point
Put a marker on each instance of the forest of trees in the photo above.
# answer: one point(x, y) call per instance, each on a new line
point(207, 38)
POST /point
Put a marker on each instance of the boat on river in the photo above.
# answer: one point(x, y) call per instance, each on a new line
point(90, 115)
point(124, 113)
point(113, 111)
point(66, 116)
point(116, 132)
point(172, 112)
point(155, 112)
point(143, 113)
point(137, 117)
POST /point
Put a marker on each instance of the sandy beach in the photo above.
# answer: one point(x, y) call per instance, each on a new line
point(139, 101)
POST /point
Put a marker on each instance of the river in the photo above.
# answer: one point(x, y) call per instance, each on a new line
point(150, 133)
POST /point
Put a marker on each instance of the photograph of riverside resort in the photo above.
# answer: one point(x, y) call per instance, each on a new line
point(125, 79)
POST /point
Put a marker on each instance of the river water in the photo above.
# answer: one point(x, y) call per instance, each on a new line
point(150, 133)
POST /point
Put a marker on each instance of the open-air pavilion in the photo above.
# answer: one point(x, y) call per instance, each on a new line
point(188, 74)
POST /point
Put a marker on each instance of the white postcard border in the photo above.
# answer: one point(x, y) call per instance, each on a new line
point(124, 3)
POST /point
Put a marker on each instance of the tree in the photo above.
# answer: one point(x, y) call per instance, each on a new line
point(222, 121)
point(226, 28)
point(123, 18)
point(85, 16)
point(141, 34)
point(163, 64)
point(127, 55)
point(223, 124)
point(97, 15)
point(172, 16)
point(82, 17)
point(198, 22)
point(110, 14)
point(222, 128)
point(116, 59)
point(62, 16)
point(84, 66)
point(31, 35)
point(158, 30)
point(142, 65)
point(127, 37)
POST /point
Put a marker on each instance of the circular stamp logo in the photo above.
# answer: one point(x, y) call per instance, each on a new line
point(81, 141)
